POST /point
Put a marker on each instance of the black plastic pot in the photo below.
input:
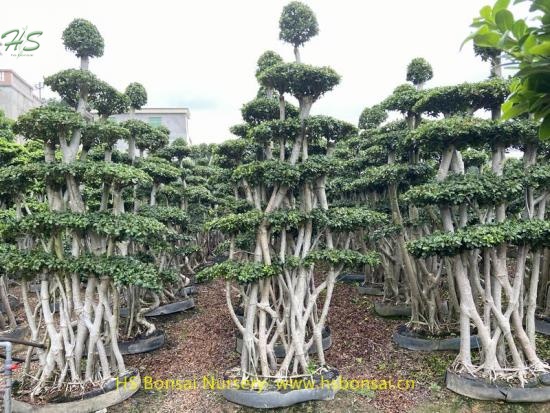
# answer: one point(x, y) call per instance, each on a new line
point(271, 399)
point(165, 309)
point(542, 325)
point(392, 310)
point(405, 338)
point(109, 395)
point(18, 333)
point(370, 289)
point(189, 290)
point(351, 278)
point(172, 308)
point(280, 352)
point(143, 344)
point(476, 388)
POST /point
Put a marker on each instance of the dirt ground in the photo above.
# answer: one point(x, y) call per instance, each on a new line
point(202, 343)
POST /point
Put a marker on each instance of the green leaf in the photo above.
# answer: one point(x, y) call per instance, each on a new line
point(512, 109)
point(486, 13)
point(528, 43)
point(541, 49)
point(519, 28)
point(490, 39)
point(504, 20)
point(499, 6)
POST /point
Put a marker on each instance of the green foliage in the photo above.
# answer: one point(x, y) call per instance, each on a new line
point(159, 169)
point(275, 130)
point(6, 132)
point(242, 272)
point(198, 194)
point(240, 130)
point(119, 175)
point(232, 152)
point(486, 189)
point(300, 80)
point(353, 218)
point(48, 123)
point(450, 100)
point(528, 47)
point(390, 136)
point(83, 38)
point(164, 214)
point(297, 24)
point(318, 166)
point(447, 244)
point(108, 101)
point(136, 94)
point(177, 150)
point(19, 178)
point(107, 133)
point(372, 117)
point(475, 132)
point(267, 60)
point(347, 258)
point(264, 109)
point(153, 139)
point(123, 270)
point(272, 171)
point(235, 223)
point(70, 82)
point(10, 152)
point(379, 177)
point(403, 99)
point(474, 157)
point(328, 129)
point(419, 71)
point(126, 226)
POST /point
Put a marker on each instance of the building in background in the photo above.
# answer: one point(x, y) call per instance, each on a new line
point(16, 95)
point(175, 119)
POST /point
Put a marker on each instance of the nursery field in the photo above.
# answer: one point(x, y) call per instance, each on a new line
point(400, 263)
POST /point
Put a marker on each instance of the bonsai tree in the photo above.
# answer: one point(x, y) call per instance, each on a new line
point(484, 217)
point(372, 118)
point(287, 226)
point(71, 231)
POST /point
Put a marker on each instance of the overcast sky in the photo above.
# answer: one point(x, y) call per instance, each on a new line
point(201, 54)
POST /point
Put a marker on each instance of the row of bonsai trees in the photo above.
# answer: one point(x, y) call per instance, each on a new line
point(108, 236)
point(427, 206)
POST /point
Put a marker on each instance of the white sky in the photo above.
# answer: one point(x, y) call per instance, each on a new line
point(202, 54)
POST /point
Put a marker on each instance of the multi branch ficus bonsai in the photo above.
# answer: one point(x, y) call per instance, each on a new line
point(282, 171)
point(71, 229)
point(493, 226)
